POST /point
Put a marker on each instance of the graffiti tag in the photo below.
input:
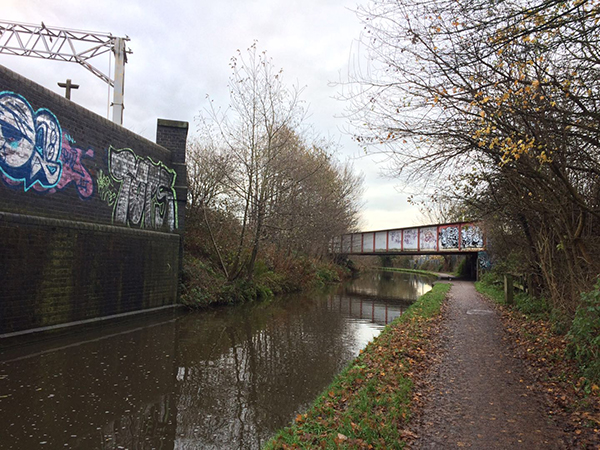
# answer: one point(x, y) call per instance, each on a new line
point(484, 260)
point(449, 237)
point(428, 239)
point(106, 190)
point(471, 236)
point(74, 170)
point(411, 239)
point(30, 143)
point(144, 190)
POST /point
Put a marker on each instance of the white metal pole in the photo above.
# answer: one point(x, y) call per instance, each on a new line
point(119, 79)
point(109, 86)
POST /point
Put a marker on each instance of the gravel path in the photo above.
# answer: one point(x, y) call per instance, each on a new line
point(479, 395)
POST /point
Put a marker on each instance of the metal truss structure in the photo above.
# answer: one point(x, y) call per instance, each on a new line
point(61, 44)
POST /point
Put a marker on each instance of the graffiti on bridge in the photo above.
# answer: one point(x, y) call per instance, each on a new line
point(457, 237)
point(428, 238)
point(449, 237)
point(36, 153)
point(468, 235)
point(141, 191)
point(471, 236)
point(411, 239)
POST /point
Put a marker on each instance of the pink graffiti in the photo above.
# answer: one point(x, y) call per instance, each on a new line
point(74, 170)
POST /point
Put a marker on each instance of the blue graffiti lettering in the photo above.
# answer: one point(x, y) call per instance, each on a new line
point(30, 143)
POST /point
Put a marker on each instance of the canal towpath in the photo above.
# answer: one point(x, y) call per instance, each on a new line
point(477, 394)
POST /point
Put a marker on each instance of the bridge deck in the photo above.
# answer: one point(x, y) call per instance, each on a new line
point(442, 239)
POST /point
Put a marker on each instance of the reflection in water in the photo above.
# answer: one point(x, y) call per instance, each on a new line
point(225, 378)
point(390, 285)
point(102, 393)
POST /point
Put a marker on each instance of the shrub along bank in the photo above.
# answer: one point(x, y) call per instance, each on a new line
point(368, 404)
point(204, 285)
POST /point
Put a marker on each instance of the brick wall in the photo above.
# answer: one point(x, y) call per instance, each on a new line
point(91, 214)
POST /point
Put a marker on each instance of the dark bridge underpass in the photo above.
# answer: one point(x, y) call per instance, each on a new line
point(466, 238)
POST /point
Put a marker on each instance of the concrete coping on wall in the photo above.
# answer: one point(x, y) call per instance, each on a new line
point(172, 123)
point(48, 221)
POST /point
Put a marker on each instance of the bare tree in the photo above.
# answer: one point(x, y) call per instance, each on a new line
point(498, 104)
point(322, 200)
point(254, 130)
point(252, 162)
point(208, 168)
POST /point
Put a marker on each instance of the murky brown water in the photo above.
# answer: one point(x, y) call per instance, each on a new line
point(225, 378)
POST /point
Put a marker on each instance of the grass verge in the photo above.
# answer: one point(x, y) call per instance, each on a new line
point(368, 405)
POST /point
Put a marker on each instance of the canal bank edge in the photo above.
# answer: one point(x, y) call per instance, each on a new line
point(369, 402)
point(203, 286)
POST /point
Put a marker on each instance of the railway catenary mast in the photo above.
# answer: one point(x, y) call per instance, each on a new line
point(61, 44)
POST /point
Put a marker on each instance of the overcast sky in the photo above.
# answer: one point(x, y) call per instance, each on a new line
point(181, 52)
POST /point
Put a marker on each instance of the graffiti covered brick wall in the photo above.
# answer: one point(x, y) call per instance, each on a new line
point(53, 153)
point(91, 214)
point(141, 191)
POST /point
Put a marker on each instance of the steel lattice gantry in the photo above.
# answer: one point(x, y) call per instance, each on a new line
point(61, 44)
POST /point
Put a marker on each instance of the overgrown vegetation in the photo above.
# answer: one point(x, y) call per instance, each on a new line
point(265, 199)
point(561, 353)
point(202, 285)
point(584, 334)
point(368, 404)
point(492, 285)
point(581, 333)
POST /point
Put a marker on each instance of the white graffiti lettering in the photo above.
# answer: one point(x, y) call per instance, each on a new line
point(449, 237)
point(146, 196)
point(471, 236)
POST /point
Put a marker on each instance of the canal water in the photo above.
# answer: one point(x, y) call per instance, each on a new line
point(225, 378)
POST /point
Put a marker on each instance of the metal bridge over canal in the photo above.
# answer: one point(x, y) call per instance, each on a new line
point(442, 239)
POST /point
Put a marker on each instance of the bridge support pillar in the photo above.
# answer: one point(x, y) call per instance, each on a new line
point(172, 135)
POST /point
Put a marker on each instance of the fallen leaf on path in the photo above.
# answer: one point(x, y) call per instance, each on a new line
point(407, 434)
